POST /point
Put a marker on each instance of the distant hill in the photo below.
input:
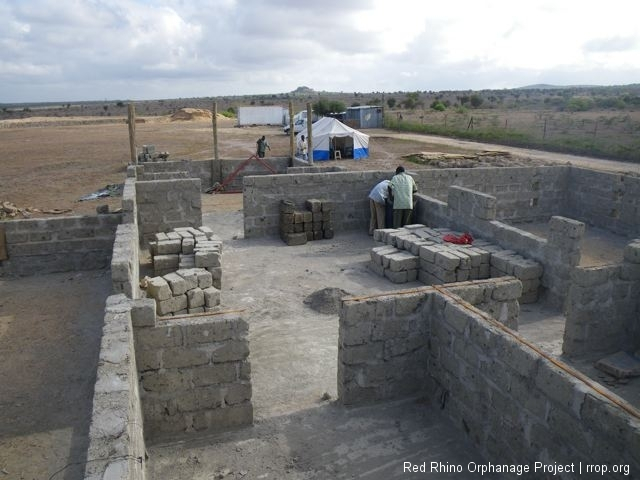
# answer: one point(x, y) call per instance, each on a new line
point(546, 86)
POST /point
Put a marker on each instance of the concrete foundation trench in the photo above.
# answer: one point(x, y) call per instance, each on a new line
point(243, 344)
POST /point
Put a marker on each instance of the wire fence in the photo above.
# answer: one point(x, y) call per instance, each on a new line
point(614, 135)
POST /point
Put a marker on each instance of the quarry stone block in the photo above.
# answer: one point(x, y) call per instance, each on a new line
point(166, 263)
point(176, 282)
point(231, 351)
point(180, 357)
point(402, 261)
point(447, 260)
point(172, 305)
point(159, 289)
point(214, 374)
point(195, 299)
point(187, 245)
point(205, 259)
point(190, 276)
point(211, 296)
point(169, 246)
point(143, 312)
point(237, 393)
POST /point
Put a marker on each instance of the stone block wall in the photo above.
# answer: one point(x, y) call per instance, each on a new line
point(125, 261)
point(606, 200)
point(383, 342)
point(195, 373)
point(522, 193)
point(166, 204)
point(472, 211)
point(518, 405)
point(61, 244)
point(208, 171)
point(603, 307)
point(116, 439)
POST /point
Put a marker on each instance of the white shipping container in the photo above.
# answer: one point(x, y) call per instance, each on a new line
point(260, 116)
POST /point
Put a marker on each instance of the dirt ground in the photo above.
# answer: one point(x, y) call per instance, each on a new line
point(49, 330)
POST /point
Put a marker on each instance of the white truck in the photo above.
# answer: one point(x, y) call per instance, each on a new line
point(299, 122)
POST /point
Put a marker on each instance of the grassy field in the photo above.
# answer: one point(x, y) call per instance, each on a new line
point(606, 134)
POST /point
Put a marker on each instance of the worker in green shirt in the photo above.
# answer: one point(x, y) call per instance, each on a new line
point(402, 187)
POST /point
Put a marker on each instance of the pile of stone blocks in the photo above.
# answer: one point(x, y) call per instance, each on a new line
point(187, 247)
point(149, 154)
point(299, 226)
point(185, 291)
point(416, 252)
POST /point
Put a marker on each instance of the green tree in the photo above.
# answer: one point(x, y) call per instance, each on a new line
point(412, 100)
point(438, 106)
point(475, 100)
point(391, 102)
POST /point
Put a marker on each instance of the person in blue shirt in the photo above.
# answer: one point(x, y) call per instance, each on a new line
point(377, 204)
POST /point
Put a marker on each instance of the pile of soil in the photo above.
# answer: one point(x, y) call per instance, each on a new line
point(474, 160)
point(192, 114)
point(327, 300)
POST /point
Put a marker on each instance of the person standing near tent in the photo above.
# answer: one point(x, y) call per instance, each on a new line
point(262, 146)
point(377, 204)
point(402, 188)
point(302, 147)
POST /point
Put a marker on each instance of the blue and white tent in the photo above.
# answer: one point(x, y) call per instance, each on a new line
point(330, 135)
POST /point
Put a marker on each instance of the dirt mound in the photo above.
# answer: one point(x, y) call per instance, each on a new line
point(327, 300)
point(480, 159)
point(192, 114)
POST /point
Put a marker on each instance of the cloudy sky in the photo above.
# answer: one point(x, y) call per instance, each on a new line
point(65, 50)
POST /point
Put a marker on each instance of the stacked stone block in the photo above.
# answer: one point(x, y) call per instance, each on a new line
point(418, 252)
point(297, 227)
point(188, 247)
point(185, 291)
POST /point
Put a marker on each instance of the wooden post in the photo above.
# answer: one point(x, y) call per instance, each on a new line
point(132, 134)
point(544, 130)
point(3, 244)
point(216, 157)
point(309, 133)
point(292, 134)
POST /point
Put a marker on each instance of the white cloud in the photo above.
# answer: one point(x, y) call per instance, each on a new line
point(54, 49)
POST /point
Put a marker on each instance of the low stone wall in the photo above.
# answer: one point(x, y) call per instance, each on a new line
point(61, 244)
point(522, 193)
point(316, 169)
point(517, 404)
point(211, 171)
point(606, 200)
point(383, 343)
point(195, 373)
point(166, 204)
point(125, 262)
point(116, 440)
point(603, 307)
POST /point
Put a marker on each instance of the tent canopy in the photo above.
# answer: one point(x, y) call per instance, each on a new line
point(329, 134)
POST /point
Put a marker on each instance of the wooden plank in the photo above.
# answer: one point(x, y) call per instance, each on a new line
point(3, 244)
